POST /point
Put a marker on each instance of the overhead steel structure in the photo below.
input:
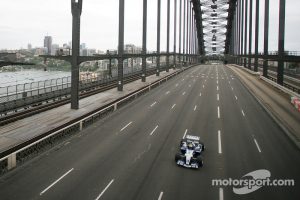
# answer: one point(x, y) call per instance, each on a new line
point(190, 39)
point(243, 27)
point(207, 29)
point(214, 22)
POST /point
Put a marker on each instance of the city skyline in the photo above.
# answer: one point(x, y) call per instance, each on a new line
point(99, 25)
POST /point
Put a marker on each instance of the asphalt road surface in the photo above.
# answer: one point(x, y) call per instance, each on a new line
point(130, 153)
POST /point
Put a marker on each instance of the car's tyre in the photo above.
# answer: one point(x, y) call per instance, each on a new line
point(200, 161)
point(202, 146)
point(178, 156)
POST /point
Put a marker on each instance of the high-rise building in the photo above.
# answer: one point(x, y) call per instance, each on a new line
point(48, 44)
point(29, 46)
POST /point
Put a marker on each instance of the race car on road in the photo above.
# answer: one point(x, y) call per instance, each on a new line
point(190, 152)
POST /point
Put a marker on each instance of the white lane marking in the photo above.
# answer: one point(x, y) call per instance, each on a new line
point(231, 88)
point(154, 130)
point(176, 85)
point(257, 146)
point(217, 82)
point(200, 94)
point(218, 97)
point(219, 142)
point(185, 132)
point(183, 93)
point(218, 112)
point(105, 189)
point(160, 196)
point(195, 108)
point(203, 86)
point(126, 126)
point(153, 104)
point(236, 97)
point(221, 195)
point(167, 92)
point(243, 113)
point(217, 87)
point(182, 79)
point(173, 106)
point(45, 190)
point(190, 86)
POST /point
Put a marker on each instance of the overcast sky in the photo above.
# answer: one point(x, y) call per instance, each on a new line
point(28, 21)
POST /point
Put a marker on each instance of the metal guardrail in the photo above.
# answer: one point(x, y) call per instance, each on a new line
point(287, 84)
point(17, 154)
point(45, 95)
point(280, 87)
point(19, 91)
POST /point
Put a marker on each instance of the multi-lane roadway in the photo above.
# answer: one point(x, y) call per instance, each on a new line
point(130, 153)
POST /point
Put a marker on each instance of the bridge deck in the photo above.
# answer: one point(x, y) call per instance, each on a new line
point(277, 102)
point(25, 129)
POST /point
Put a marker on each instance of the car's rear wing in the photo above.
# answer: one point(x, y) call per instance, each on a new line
point(192, 137)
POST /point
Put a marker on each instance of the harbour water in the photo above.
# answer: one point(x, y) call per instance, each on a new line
point(29, 76)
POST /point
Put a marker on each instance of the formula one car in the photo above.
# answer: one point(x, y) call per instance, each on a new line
point(190, 150)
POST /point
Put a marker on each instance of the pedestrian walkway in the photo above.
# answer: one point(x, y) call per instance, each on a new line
point(23, 130)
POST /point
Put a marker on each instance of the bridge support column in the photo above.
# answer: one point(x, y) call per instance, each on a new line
point(280, 68)
point(180, 29)
point(168, 37)
point(242, 31)
point(256, 35)
point(144, 48)
point(266, 38)
point(250, 33)
point(175, 31)
point(121, 45)
point(158, 38)
point(246, 33)
point(184, 27)
point(76, 13)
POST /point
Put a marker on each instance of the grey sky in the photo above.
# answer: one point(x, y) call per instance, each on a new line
point(28, 21)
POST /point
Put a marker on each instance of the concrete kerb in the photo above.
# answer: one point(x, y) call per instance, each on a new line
point(290, 135)
point(12, 157)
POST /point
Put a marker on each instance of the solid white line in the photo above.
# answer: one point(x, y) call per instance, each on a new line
point(195, 108)
point(218, 112)
point(126, 126)
point(219, 142)
point(257, 145)
point(183, 93)
point(154, 130)
point(236, 97)
point(218, 97)
point(243, 113)
point(167, 92)
point(173, 106)
point(105, 189)
point(56, 181)
point(160, 195)
point(153, 104)
point(221, 195)
point(185, 132)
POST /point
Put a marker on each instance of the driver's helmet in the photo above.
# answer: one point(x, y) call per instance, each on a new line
point(190, 146)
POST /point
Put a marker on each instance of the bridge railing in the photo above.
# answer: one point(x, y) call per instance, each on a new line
point(18, 154)
point(19, 91)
